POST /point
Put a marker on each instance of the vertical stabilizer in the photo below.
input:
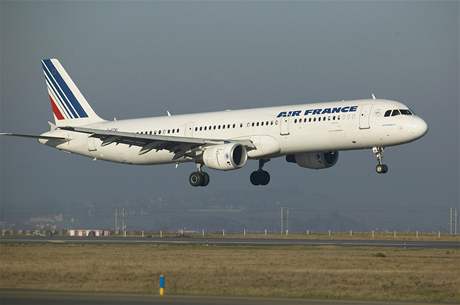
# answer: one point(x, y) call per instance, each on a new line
point(69, 106)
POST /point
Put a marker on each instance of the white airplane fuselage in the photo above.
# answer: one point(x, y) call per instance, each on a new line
point(310, 135)
point(275, 131)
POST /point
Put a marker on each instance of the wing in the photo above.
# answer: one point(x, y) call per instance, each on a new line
point(180, 146)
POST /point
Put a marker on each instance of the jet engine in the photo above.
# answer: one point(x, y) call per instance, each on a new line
point(225, 156)
point(314, 160)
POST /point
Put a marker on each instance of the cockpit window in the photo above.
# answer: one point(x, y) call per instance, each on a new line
point(405, 112)
point(395, 112)
point(387, 113)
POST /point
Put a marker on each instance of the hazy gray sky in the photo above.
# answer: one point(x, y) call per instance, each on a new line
point(141, 59)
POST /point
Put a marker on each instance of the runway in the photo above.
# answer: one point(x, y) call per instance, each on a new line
point(238, 242)
point(20, 297)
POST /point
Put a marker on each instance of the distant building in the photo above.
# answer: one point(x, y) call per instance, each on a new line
point(88, 232)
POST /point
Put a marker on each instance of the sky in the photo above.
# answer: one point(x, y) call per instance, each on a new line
point(137, 59)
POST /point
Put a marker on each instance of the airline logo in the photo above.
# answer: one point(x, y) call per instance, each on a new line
point(63, 101)
point(317, 111)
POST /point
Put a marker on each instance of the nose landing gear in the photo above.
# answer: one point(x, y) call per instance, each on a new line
point(199, 178)
point(380, 168)
point(260, 177)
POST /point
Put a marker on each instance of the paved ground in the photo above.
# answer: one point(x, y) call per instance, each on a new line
point(238, 241)
point(20, 297)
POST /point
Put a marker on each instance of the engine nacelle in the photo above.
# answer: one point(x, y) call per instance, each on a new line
point(314, 160)
point(225, 157)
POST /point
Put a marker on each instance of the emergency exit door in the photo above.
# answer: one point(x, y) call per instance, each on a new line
point(284, 126)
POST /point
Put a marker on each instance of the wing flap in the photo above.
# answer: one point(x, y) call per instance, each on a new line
point(148, 142)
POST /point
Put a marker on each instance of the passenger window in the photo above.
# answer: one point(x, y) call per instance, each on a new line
point(253, 124)
point(234, 125)
point(241, 125)
point(387, 113)
point(395, 112)
point(295, 121)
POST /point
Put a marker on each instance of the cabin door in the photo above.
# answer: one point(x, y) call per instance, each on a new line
point(364, 117)
point(188, 130)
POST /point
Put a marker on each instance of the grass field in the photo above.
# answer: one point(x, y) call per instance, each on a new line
point(294, 271)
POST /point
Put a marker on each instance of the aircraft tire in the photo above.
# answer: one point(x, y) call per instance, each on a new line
point(381, 168)
point(265, 177)
point(255, 178)
point(205, 177)
point(196, 179)
point(260, 177)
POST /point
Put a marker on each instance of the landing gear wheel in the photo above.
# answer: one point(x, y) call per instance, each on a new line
point(196, 179)
point(265, 177)
point(260, 177)
point(205, 179)
point(254, 178)
point(199, 179)
point(381, 168)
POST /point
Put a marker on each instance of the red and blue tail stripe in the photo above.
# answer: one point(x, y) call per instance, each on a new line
point(55, 109)
point(63, 101)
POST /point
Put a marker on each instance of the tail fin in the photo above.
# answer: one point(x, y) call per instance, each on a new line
point(69, 106)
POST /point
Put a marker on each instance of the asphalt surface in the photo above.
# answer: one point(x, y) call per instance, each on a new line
point(19, 297)
point(238, 242)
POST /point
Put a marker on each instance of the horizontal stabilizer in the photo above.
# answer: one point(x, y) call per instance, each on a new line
point(23, 135)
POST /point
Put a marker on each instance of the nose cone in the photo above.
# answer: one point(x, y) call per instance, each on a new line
point(418, 128)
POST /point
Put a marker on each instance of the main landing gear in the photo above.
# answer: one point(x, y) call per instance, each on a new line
point(260, 177)
point(199, 178)
point(380, 168)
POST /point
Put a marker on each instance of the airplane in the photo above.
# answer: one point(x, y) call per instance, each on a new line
point(310, 135)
